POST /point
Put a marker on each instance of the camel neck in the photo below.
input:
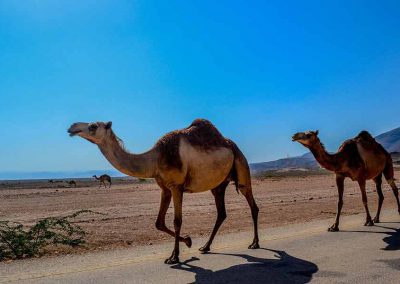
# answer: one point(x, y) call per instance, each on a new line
point(136, 165)
point(325, 159)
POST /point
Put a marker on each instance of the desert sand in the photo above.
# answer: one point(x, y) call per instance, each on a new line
point(130, 207)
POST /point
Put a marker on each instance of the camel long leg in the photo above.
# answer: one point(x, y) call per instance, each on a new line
point(340, 187)
point(177, 196)
point(368, 221)
point(248, 194)
point(160, 223)
point(378, 182)
point(219, 196)
point(389, 176)
point(395, 192)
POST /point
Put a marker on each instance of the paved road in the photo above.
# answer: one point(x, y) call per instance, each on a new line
point(295, 254)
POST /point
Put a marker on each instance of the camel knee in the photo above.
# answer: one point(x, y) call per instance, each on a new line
point(340, 203)
point(160, 225)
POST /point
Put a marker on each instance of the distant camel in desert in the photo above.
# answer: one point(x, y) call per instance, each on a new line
point(195, 159)
point(361, 159)
point(72, 183)
point(102, 179)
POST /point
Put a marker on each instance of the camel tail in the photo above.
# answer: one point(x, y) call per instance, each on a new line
point(240, 170)
point(388, 172)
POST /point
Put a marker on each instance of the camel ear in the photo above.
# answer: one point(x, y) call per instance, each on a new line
point(316, 132)
point(108, 125)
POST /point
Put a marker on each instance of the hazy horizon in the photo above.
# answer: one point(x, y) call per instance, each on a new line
point(259, 72)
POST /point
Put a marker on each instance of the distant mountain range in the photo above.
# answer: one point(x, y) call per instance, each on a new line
point(390, 140)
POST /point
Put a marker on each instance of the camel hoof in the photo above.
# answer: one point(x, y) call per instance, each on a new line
point(369, 223)
point(172, 260)
point(204, 249)
point(188, 241)
point(333, 229)
point(376, 220)
point(254, 245)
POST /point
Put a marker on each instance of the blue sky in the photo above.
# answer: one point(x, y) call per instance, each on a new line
point(259, 70)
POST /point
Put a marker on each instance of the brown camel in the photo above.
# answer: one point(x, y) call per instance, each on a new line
point(72, 183)
point(195, 159)
point(361, 159)
point(102, 179)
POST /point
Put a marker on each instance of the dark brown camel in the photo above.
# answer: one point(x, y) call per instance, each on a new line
point(102, 179)
point(72, 183)
point(361, 159)
point(195, 159)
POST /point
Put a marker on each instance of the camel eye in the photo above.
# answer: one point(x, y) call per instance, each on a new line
point(93, 127)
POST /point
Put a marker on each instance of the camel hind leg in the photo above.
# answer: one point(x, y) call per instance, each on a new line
point(389, 176)
point(248, 193)
point(378, 182)
point(243, 183)
point(219, 196)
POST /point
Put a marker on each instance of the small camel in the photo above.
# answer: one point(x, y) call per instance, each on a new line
point(72, 183)
point(102, 179)
point(191, 160)
point(361, 159)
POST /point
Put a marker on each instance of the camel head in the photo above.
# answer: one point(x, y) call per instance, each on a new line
point(95, 132)
point(307, 138)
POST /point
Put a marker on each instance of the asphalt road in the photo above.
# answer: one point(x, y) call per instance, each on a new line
point(296, 254)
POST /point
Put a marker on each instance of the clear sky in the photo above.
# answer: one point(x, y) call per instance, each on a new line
point(259, 70)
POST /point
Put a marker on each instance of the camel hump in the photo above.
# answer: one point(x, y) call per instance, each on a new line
point(365, 136)
point(201, 122)
point(365, 140)
point(201, 134)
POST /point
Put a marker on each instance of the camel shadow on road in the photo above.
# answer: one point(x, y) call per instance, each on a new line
point(284, 269)
point(392, 239)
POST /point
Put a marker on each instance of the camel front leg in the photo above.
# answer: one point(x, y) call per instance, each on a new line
point(368, 221)
point(340, 187)
point(378, 182)
point(177, 195)
point(219, 196)
point(160, 223)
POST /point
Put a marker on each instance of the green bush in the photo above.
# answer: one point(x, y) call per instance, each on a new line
point(17, 241)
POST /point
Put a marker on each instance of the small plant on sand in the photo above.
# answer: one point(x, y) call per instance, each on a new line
point(17, 241)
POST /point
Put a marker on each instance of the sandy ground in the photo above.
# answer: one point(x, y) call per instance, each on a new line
point(131, 207)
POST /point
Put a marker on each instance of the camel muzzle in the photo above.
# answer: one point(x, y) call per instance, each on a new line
point(298, 136)
point(72, 131)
